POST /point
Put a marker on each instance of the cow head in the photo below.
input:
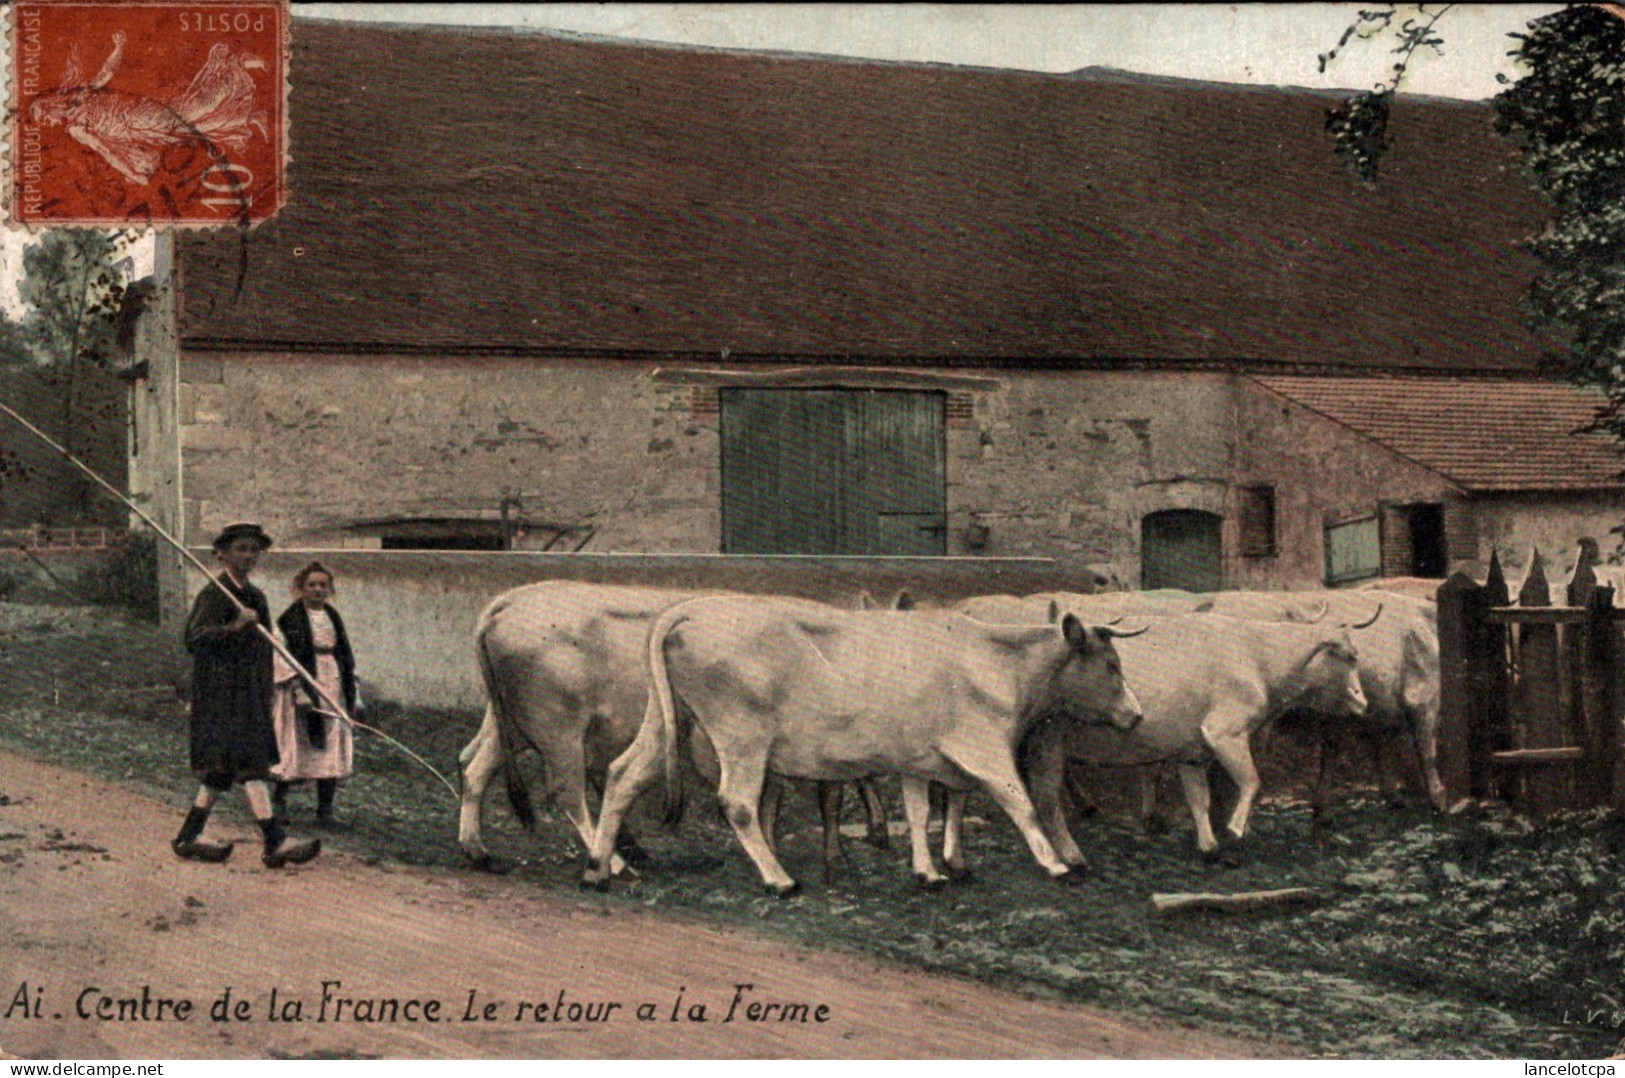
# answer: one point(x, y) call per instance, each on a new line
point(1091, 685)
point(1331, 677)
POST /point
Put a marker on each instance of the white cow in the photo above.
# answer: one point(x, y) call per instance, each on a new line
point(1206, 683)
point(836, 695)
point(565, 669)
point(1399, 670)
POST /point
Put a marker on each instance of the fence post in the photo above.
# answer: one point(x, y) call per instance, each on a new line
point(1462, 604)
point(1491, 730)
point(1599, 728)
point(1540, 721)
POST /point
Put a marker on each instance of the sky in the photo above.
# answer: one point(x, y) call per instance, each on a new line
point(1271, 44)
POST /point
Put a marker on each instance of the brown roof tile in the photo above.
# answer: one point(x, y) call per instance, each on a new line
point(1484, 434)
point(474, 189)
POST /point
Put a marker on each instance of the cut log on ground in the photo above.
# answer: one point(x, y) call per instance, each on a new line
point(1245, 900)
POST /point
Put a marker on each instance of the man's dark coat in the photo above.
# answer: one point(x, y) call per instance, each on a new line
point(232, 732)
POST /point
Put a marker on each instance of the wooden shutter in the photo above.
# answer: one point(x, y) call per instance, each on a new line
point(1353, 550)
point(831, 471)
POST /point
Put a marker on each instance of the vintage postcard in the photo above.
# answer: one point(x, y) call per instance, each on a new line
point(808, 532)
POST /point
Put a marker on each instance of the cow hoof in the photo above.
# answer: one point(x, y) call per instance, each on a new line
point(1071, 878)
point(633, 854)
point(486, 863)
point(835, 871)
point(929, 883)
point(960, 874)
point(880, 840)
point(1156, 825)
point(790, 890)
point(590, 884)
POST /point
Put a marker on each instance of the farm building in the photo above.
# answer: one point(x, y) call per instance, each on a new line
point(681, 303)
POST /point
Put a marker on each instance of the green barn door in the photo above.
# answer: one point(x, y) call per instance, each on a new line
point(833, 471)
point(1180, 548)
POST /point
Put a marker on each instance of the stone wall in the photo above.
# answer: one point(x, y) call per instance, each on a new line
point(1512, 526)
point(1040, 463)
point(412, 614)
point(1321, 472)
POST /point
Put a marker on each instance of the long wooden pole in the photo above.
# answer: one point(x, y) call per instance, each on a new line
point(278, 645)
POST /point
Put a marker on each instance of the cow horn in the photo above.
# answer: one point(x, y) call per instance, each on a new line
point(1119, 633)
point(1368, 621)
point(1324, 607)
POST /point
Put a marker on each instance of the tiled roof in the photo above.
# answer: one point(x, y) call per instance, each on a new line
point(1484, 434)
point(475, 189)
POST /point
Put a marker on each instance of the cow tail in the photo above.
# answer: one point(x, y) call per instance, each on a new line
point(660, 696)
point(512, 777)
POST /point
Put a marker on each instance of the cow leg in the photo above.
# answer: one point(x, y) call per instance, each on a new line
point(996, 771)
point(1235, 755)
point(1328, 743)
point(878, 833)
point(830, 796)
point(1150, 815)
point(1193, 780)
point(1075, 798)
point(917, 809)
point(743, 776)
point(479, 760)
point(772, 800)
point(1046, 778)
point(567, 782)
point(631, 773)
point(953, 835)
point(1389, 786)
point(1425, 732)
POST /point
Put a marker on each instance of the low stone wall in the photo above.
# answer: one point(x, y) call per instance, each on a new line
point(412, 614)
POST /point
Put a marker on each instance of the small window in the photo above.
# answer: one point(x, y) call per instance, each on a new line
point(1256, 522)
point(1353, 551)
point(440, 533)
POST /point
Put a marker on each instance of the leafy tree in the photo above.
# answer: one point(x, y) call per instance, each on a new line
point(58, 361)
point(1567, 115)
point(1359, 128)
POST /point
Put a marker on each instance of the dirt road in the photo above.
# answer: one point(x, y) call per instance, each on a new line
point(98, 919)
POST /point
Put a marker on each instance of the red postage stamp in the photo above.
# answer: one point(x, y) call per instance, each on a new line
point(148, 113)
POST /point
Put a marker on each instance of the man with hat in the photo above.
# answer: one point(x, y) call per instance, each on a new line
point(233, 739)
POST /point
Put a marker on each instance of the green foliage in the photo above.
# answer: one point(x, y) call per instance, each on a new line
point(1359, 128)
point(1359, 131)
point(1567, 115)
point(73, 297)
point(129, 579)
point(57, 367)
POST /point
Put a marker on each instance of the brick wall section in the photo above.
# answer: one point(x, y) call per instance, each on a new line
point(705, 404)
point(1395, 525)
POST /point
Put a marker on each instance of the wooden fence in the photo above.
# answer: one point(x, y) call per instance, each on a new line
point(1532, 694)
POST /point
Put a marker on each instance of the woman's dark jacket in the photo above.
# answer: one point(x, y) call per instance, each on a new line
point(232, 686)
point(296, 632)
